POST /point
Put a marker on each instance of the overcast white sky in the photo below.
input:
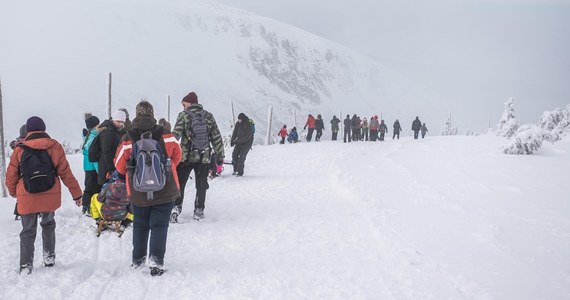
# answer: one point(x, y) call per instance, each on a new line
point(470, 50)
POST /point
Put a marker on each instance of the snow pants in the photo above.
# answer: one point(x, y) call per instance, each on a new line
point(239, 155)
point(334, 135)
point(91, 188)
point(201, 179)
point(150, 221)
point(318, 136)
point(28, 237)
point(347, 134)
point(310, 134)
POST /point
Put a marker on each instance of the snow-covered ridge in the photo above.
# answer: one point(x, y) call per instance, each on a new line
point(158, 48)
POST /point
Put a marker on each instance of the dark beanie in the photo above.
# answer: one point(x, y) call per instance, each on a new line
point(242, 117)
point(91, 122)
point(144, 109)
point(35, 124)
point(23, 131)
point(190, 98)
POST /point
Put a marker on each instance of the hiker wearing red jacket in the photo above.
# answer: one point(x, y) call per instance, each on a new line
point(311, 124)
point(283, 134)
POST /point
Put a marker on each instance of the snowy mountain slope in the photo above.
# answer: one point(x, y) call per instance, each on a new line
point(57, 54)
point(441, 218)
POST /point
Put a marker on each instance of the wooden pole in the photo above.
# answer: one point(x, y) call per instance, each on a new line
point(168, 108)
point(109, 81)
point(233, 113)
point(270, 116)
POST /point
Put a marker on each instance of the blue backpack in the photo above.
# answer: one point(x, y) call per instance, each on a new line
point(148, 166)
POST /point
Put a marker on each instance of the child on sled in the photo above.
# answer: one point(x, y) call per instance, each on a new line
point(111, 208)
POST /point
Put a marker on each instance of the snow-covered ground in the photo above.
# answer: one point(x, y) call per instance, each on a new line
point(441, 218)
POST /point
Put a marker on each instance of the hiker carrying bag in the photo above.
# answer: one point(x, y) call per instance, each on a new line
point(36, 170)
point(149, 165)
point(200, 135)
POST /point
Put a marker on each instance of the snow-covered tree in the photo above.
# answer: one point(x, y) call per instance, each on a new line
point(551, 126)
point(508, 124)
point(447, 128)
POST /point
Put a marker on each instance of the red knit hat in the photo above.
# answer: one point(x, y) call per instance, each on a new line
point(190, 98)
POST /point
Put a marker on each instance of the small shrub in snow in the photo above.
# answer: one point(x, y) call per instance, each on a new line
point(448, 130)
point(508, 126)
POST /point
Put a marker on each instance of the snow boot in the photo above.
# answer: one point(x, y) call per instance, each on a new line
point(156, 271)
point(198, 214)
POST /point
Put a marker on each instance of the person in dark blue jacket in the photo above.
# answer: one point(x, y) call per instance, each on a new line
point(293, 136)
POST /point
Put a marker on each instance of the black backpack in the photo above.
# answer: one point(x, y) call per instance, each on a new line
point(94, 151)
point(37, 170)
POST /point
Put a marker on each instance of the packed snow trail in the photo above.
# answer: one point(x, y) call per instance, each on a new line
point(441, 218)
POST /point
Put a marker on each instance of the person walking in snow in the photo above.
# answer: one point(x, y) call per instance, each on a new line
point(383, 130)
point(283, 134)
point(334, 127)
point(347, 129)
point(109, 140)
point(424, 130)
point(151, 218)
point(198, 133)
point(293, 136)
point(311, 125)
point(13, 144)
point(364, 130)
point(39, 196)
point(319, 126)
point(396, 129)
point(91, 178)
point(242, 139)
point(374, 125)
point(416, 126)
point(355, 125)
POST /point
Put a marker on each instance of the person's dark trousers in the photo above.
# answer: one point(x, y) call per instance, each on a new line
point(396, 134)
point(201, 174)
point(28, 237)
point(239, 155)
point(310, 134)
point(416, 135)
point(382, 136)
point(150, 221)
point(91, 188)
point(282, 140)
point(318, 136)
point(183, 170)
point(346, 136)
point(373, 135)
point(423, 135)
point(334, 135)
point(355, 134)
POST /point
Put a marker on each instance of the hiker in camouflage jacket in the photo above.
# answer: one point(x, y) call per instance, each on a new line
point(194, 160)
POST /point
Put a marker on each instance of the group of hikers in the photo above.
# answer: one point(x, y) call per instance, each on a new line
point(355, 129)
point(135, 175)
point(136, 172)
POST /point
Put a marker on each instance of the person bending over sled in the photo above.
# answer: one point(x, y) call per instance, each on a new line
point(111, 208)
